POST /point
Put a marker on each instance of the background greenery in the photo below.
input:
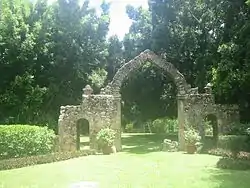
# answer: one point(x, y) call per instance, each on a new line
point(48, 53)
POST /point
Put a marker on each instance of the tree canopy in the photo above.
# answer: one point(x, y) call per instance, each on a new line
point(49, 52)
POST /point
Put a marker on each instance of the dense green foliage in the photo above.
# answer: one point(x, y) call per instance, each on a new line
point(49, 52)
point(233, 164)
point(25, 140)
point(234, 143)
point(239, 129)
point(160, 125)
point(129, 128)
point(192, 137)
point(106, 137)
point(163, 125)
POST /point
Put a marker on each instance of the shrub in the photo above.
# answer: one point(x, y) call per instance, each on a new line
point(219, 152)
point(7, 164)
point(164, 125)
point(234, 143)
point(230, 143)
point(233, 164)
point(105, 137)
point(171, 125)
point(158, 126)
point(192, 136)
point(238, 129)
point(129, 127)
point(25, 140)
point(227, 153)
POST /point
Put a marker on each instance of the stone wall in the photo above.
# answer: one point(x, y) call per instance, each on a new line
point(104, 109)
point(100, 111)
point(198, 106)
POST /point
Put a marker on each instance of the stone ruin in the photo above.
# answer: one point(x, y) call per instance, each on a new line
point(104, 109)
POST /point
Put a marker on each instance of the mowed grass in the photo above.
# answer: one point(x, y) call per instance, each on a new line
point(140, 165)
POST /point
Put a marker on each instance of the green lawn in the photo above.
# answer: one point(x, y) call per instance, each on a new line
point(140, 165)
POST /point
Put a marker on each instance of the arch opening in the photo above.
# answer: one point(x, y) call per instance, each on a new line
point(148, 94)
point(114, 88)
point(82, 134)
point(211, 126)
point(148, 56)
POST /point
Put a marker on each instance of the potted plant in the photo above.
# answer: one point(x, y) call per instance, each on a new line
point(105, 138)
point(192, 138)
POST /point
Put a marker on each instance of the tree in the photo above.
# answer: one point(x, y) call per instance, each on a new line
point(115, 57)
point(48, 54)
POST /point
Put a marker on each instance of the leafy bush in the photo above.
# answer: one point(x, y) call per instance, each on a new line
point(192, 136)
point(228, 143)
point(25, 140)
point(164, 125)
point(227, 153)
point(129, 127)
point(238, 129)
point(105, 137)
point(220, 152)
point(171, 125)
point(234, 143)
point(157, 126)
point(41, 159)
point(233, 164)
point(234, 158)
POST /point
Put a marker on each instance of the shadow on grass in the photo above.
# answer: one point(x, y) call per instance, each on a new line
point(144, 143)
point(230, 178)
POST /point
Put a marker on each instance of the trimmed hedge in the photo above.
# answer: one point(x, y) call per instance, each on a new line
point(234, 143)
point(7, 164)
point(25, 140)
point(233, 164)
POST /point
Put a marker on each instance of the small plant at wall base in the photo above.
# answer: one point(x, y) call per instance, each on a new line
point(105, 138)
point(192, 138)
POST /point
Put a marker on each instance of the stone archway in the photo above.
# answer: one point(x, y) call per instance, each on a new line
point(169, 69)
point(99, 110)
point(212, 121)
point(138, 61)
point(104, 109)
point(82, 130)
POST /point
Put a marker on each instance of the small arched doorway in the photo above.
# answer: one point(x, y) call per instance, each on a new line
point(82, 134)
point(211, 126)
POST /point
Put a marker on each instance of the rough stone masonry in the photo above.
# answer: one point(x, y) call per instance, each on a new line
point(104, 109)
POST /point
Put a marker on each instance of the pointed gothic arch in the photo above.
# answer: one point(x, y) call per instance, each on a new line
point(183, 89)
point(138, 61)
